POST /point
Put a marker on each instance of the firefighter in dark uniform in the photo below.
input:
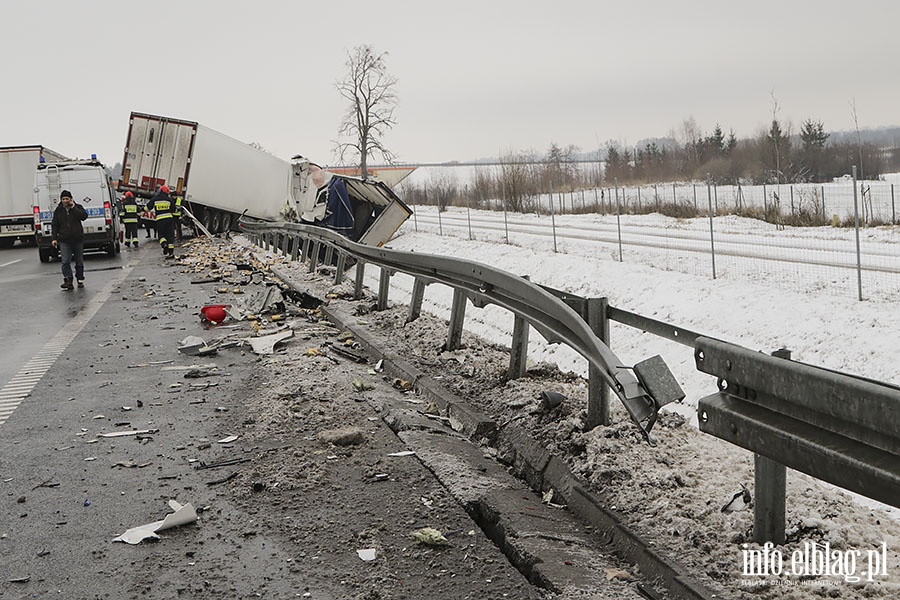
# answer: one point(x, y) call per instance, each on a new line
point(162, 205)
point(130, 218)
point(177, 215)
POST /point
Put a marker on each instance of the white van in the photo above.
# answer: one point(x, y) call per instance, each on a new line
point(92, 187)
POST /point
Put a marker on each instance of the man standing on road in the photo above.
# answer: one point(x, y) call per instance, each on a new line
point(162, 205)
point(68, 236)
point(130, 208)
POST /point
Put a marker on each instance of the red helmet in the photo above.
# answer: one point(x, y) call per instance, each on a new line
point(129, 195)
point(164, 189)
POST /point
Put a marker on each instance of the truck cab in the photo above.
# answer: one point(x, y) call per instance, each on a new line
point(92, 187)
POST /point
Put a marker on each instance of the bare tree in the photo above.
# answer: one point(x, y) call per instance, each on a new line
point(369, 89)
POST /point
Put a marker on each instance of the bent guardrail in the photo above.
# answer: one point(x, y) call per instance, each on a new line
point(835, 427)
point(643, 392)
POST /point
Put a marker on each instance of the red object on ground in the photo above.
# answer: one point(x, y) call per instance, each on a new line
point(214, 313)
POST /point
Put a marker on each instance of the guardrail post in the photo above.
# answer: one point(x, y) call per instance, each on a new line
point(339, 268)
point(415, 302)
point(769, 488)
point(313, 257)
point(457, 317)
point(518, 350)
point(295, 247)
point(598, 390)
point(360, 275)
point(329, 254)
point(384, 284)
point(305, 253)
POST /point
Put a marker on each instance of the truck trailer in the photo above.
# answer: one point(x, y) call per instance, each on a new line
point(17, 166)
point(221, 180)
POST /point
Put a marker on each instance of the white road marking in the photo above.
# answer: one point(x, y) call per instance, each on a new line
point(21, 385)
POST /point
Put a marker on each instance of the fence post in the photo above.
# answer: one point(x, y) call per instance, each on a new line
point(295, 247)
point(769, 486)
point(856, 226)
point(415, 302)
point(518, 350)
point(712, 245)
point(505, 222)
point(618, 219)
point(457, 317)
point(306, 245)
point(553, 217)
point(384, 284)
point(468, 213)
point(598, 391)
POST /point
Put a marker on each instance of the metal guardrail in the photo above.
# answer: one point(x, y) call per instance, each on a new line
point(836, 427)
point(643, 389)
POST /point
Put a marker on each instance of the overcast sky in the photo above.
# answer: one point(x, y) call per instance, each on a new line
point(476, 79)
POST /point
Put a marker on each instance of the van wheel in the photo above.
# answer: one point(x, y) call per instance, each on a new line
point(118, 248)
point(45, 254)
point(111, 250)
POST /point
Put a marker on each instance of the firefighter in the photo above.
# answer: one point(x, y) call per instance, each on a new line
point(162, 205)
point(130, 219)
point(148, 221)
point(177, 215)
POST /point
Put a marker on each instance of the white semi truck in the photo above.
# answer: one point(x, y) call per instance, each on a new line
point(17, 166)
point(222, 179)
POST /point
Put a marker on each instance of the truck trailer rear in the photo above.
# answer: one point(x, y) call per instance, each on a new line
point(17, 167)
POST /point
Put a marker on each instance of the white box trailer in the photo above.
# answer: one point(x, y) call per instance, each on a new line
point(221, 179)
point(17, 166)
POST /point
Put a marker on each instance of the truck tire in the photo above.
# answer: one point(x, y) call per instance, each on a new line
point(216, 222)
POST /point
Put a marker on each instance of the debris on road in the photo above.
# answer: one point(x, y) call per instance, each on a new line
point(345, 436)
point(430, 537)
point(366, 554)
point(184, 514)
point(126, 433)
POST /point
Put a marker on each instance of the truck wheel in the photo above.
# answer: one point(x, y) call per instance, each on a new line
point(216, 222)
point(44, 253)
point(7, 243)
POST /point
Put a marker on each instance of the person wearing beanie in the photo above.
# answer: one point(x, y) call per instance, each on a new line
point(68, 236)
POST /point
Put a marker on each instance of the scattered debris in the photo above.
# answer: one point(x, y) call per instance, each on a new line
point(366, 554)
point(229, 439)
point(740, 501)
point(266, 344)
point(184, 514)
point(194, 346)
point(430, 537)
point(402, 453)
point(362, 386)
point(344, 436)
point(618, 574)
point(137, 432)
point(214, 313)
point(550, 400)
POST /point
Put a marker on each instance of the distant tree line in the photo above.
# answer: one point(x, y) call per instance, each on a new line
point(775, 155)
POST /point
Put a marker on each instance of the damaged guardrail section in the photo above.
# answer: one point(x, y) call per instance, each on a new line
point(836, 427)
point(643, 389)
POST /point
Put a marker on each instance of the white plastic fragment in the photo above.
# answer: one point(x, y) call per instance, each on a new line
point(184, 514)
point(366, 554)
point(124, 433)
point(403, 453)
point(229, 439)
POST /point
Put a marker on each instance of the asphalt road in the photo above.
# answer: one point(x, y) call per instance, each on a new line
point(104, 360)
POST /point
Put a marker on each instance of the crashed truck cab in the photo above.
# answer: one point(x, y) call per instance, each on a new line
point(366, 211)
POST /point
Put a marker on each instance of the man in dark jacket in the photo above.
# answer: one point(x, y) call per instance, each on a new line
point(68, 236)
point(164, 207)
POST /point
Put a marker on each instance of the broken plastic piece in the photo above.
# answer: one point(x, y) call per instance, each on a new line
point(430, 537)
point(184, 514)
point(266, 344)
point(366, 554)
point(213, 313)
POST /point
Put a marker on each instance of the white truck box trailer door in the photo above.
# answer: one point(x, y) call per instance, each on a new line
point(159, 152)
